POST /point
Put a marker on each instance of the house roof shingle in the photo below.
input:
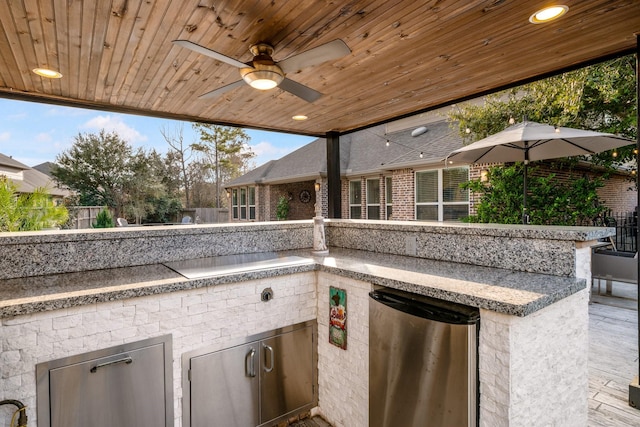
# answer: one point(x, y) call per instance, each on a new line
point(361, 153)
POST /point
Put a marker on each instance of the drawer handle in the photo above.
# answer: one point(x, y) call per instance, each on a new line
point(270, 351)
point(127, 359)
point(249, 364)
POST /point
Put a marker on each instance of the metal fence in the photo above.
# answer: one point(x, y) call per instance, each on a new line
point(625, 224)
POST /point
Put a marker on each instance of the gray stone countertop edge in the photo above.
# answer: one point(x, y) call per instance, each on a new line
point(499, 290)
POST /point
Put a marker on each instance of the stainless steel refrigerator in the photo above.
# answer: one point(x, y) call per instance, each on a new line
point(422, 360)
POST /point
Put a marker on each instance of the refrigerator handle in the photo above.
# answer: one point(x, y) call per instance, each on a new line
point(249, 364)
point(270, 351)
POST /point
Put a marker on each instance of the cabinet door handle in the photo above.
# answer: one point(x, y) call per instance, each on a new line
point(249, 364)
point(126, 359)
point(270, 351)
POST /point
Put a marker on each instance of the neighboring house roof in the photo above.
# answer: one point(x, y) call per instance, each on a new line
point(361, 153)
point(27, 179)
point(10, 165)
point(45, 168)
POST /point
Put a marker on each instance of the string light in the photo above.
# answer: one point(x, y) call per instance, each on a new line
point(615, 153)
point(557, 129)
point(467, 130)
point(511, 120)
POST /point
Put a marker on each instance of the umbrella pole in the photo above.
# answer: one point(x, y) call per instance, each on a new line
point(525, 215)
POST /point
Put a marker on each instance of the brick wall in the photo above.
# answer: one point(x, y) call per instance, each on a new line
point(344, 198)
point(403, 190)
point(619, 194)
point(297, 209)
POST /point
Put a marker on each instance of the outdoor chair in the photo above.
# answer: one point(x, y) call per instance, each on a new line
point(186, 219)
point(121, 222)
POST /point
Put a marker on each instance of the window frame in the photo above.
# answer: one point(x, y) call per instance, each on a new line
point(367, 202)
point(358, 198)
point(234, 204)
point(388, 199)
point(440, 204)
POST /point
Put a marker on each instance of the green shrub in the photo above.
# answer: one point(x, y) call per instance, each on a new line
point(104, 219)
point(28, 211)
point(550, 201)
point(282, 209)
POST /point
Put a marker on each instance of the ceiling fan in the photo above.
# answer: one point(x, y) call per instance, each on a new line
point(263, 73)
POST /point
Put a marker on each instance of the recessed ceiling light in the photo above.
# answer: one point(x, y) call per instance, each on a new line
point(45, 72)
point(299, 117)
point(548, 14)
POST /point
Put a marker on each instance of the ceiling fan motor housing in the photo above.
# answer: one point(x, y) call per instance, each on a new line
point(264, 74)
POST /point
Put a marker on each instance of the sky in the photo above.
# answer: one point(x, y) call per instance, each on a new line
point(34, 133)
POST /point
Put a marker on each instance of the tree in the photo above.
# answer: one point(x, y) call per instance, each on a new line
point(97, 168)
point(105, 171)
point(225, 151)
point(601, 97)
point(180, 154)
point(28, 211)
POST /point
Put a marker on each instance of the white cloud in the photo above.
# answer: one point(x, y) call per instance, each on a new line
point(5, 136)
point(266, 151)
point(44, 137)
point(115, 124)
point(17, 116)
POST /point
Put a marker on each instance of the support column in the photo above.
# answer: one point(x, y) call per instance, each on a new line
point(634, 387)
point(334, 198)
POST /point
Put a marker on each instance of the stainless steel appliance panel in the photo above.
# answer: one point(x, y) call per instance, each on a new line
point(423, 370)
point(126, 388)
point(287, 373)
point(224, 388)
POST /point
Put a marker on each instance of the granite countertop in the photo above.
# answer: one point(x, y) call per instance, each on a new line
point(500, 290)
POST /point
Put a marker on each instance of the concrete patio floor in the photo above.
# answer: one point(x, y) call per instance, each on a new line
point(613, 355)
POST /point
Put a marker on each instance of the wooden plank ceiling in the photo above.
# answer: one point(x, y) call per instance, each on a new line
point(406, 55)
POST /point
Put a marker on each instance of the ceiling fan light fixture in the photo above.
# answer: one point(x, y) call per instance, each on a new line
point(262, 78)
point(548, 14)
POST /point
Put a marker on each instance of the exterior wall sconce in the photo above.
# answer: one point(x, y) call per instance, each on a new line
point(316, 186)
point(484, 175)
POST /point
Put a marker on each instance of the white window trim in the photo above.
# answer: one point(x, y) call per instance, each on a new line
point(440, 203)
point(388, 204)
point(355, 204)
point(366, 195)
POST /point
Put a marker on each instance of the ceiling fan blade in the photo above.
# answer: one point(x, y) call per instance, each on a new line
point(210, 53)
point(300, 90)
point(217, 92)
point(332, 50)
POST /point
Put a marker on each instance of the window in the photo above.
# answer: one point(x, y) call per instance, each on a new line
point(355, 208)
point(373, 198)
point(234, 203)
point(439, 196)
point(243, 203)
point(252, 202)
point(388, 189)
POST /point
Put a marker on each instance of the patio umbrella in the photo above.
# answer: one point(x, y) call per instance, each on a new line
point(530, 141)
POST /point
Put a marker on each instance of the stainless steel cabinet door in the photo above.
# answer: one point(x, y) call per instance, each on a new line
point(224, 388)
point(123, 389)
point(287, 373)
